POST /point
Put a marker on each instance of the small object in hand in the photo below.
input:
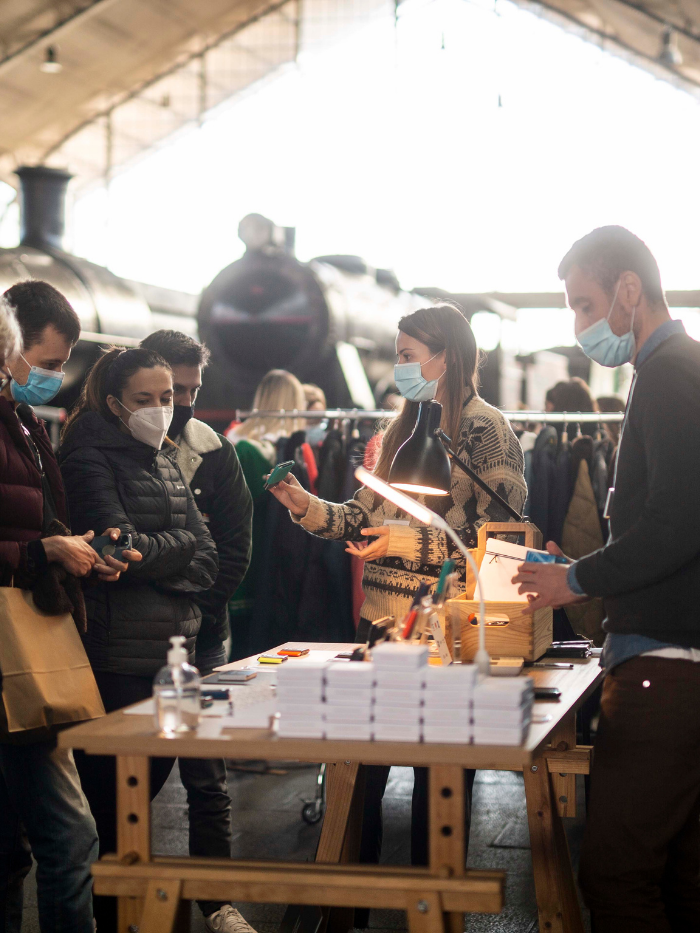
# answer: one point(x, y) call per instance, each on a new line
point(108, 547)
point(270, 659)
point(548, 693)
point(293, 653)
point(206, 702)
point(542, 557)
point(278, 473)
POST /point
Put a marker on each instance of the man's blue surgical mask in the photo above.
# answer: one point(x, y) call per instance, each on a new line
point(600, 344)
point(412, 384)
point(41, 386)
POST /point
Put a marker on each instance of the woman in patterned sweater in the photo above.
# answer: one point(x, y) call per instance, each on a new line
point(402, 556)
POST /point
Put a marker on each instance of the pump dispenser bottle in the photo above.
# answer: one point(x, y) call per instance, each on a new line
point(177, 692)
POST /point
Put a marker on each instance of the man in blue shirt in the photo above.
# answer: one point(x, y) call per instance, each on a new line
point(640, 862)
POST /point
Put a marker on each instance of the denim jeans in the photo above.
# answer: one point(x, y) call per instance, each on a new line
point(209, 804)
point(40, 788)
point(98, 774)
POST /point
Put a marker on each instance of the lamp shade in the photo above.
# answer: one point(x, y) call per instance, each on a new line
point(421, 463)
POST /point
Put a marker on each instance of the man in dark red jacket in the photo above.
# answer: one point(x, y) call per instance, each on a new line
point(40, 791)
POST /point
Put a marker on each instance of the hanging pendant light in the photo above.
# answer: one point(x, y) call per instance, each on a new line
point(51, 64)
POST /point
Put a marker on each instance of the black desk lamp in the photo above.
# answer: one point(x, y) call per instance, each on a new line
point(421, 464)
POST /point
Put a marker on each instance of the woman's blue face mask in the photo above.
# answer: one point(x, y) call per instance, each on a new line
point(412, 384)
point(41, 386)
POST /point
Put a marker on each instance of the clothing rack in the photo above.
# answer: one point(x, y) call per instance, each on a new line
point(359, 414)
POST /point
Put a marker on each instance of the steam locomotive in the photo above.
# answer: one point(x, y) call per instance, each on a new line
point(331, 321)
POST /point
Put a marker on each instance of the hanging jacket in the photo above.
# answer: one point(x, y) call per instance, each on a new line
point(257, 459)
point(112, 479)
point(582, 535)
point(303, 592)
point(544, 455)
point(560, 493)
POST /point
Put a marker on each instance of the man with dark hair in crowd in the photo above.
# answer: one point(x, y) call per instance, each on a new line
point(640, 862)
point(40, 790)
point(210, 466)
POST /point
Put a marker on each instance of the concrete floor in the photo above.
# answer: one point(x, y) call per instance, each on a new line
point(267, 822)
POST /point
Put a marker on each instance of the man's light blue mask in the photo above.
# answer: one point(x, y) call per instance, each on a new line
point(41, 386)
point(600, 344)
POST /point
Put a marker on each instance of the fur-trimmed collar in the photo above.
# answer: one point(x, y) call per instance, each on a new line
point(197, 439)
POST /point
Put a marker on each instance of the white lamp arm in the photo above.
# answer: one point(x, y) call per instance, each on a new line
point(481, 659)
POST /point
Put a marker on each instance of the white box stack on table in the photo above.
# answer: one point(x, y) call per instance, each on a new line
point(447, 713)
point(400, 671)
point(300, 686)
point(348, 708)
point(502, 710)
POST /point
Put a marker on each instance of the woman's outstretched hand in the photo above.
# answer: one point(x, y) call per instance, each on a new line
point(370, 550)
point(292, 495)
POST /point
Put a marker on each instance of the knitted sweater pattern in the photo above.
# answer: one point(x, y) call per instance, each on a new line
point(415, 552)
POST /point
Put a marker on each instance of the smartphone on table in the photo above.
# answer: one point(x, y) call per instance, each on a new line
point(278, 473)
point(108, 547)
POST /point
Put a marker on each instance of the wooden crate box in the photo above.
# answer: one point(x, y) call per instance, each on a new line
point(511, 632)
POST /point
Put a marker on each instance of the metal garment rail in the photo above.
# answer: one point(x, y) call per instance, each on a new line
point(357, 414)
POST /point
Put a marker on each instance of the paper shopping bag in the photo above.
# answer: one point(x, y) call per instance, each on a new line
point(46, 676)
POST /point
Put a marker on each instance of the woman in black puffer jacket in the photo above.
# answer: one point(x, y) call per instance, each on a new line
point(116, 475)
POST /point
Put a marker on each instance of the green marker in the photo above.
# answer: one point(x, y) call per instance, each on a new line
point(447, 568)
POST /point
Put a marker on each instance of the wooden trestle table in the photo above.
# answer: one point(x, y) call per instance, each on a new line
point(155, 892)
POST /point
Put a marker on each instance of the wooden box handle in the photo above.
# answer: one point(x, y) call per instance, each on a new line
point(533, 535)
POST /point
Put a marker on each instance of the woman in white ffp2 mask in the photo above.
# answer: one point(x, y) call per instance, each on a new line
point(116, 475)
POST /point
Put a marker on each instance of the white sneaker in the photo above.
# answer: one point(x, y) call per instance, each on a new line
point(228, 920)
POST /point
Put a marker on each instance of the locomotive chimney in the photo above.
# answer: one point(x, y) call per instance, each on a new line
point(42, 206)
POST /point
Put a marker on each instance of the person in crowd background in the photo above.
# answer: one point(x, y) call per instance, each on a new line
point(438, 348)
point(640, 859)
point(573, 395)
point(210, 467)
point(42, 804)
point(255, 442)
point(115, 473)
point(315, 397)
point(316, 430)
point(611, 403)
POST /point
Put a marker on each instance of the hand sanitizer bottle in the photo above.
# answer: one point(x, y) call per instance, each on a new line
point(177, 692)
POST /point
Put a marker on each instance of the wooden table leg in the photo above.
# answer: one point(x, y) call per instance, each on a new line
point(564, 785)
point(446, 832)
point(161, 906)
point(341, 801)
point(133, 830)
point(342, 831)
point(557, 900)
point(424, 913)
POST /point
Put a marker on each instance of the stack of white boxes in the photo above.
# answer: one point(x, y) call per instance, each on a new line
point(348, 707)
point(447, 711)
point(502, 710)
point(400, 670)
point(300, 699)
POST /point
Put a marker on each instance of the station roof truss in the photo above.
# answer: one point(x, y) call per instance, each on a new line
point(91, 85)
point(662, 36)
